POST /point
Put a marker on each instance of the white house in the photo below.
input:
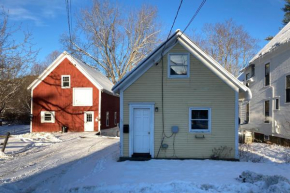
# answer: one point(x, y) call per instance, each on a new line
point(268, 77)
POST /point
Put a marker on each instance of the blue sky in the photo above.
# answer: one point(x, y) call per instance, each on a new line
point(47, 19)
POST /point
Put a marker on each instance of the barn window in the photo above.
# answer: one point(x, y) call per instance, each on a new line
point(115, 118)
point(178, 65)
point(267, 112)
point(47, 117)
point(200, 120)
point(107, 118)
point(288, 89)
point(65, 81)
point(83, 96)
point(267, 74)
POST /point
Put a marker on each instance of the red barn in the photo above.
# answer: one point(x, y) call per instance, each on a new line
point(73, 94)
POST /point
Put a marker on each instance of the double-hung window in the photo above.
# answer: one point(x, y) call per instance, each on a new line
point(178, 65)
point(267, 74)
point(288, 89)
point(47, 117)
point(65, 81)
point(200, 120)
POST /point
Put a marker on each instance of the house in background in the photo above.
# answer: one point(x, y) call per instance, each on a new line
point(268, 77)
point(179, 103)
point(73, 94)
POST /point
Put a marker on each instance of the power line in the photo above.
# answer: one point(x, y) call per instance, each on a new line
point(69, 19)
point(172, 25)
point(197, 11)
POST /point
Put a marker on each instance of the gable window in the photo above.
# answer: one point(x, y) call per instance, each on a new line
point(107, 118)
point(83, 96)
point(247, 113)
point(65, 81)
point(267, 74)
point(115, 118)
point(178, 65)
point(47, 117)
point(253, 70)
point(200, 120)
point(277, 106)
point(288, 89)
point(267, 112)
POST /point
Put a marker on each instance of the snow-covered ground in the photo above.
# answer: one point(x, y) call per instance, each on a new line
point(14, 129)
point(84, 162)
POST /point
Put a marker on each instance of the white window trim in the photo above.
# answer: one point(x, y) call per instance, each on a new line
point(168, 66)
point(107, 122)
point(42, 120)
point(209, 120)
point(115, 118)
point(62, 76)
point(82, 88)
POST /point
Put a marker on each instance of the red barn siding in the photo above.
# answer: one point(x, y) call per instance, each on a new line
point(49, 96)
point(111, 104)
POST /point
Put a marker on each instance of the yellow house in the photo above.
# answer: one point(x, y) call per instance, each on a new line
point(179, 103)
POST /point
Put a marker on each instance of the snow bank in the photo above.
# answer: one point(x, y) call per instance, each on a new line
point(264, 153)
point(249, 182)
point(38, 137)
point(4, 156)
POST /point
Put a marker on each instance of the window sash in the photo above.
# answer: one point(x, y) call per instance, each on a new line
point(277, 104)
point(199, 120)
point(178, 66)
point(253, 70)
point(65, 81)
point(288, 95)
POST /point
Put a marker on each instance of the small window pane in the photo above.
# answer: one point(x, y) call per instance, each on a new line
point(89, 117)
point(199, 124)
point(199, 114)
point(267, 74)
point(253, 70)
point(47, 117)
point(178, 70)
point(277, 104)
point(65, 78)
point(178, 59)
point(65, 84)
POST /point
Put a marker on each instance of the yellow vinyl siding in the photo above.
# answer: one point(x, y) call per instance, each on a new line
point(202, 89)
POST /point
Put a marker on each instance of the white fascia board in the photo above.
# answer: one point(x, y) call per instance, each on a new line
point(47, 71)
point(210, 61)
point(84, 72)
point(55, 63)
point(117, 87)
point(155, 58)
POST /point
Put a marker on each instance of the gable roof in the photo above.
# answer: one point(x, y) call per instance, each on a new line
point(282, 37)
point(94, 75)
point(155, 56)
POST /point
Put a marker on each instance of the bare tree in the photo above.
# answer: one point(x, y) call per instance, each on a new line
point(228, 43)
point(114, 40)
point(15, 57)
point(39, 67)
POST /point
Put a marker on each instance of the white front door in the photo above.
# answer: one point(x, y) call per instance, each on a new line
point(141, 130)
point(89, 121)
